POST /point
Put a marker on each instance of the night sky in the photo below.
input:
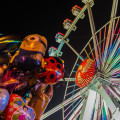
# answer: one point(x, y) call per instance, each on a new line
point(46, 18)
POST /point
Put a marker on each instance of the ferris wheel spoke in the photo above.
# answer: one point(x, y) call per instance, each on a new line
point(100, 106)
point(73, 91)
point(111, 89)
point(117, 75)
point(104, 112)
point(113, 64)
point(65, 103)
point(96, 109)
point(115, 71)
point(114, 34)
point(93, 30)
point(75, 110)
point(91, 52)
point(87, 54)
point(117, 90)
point(115, 80)
point(76, 113)
point(99, 48)
point(112, 53)
point(68, 79)
point(108, 116)
point(71, 105)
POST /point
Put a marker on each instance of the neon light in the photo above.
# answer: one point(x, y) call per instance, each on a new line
point(9, 41)
point(72, 91)
point(104, 113)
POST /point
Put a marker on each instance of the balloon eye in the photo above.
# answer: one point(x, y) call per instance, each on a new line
point(32, 38)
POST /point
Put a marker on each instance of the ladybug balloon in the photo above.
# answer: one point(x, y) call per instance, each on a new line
point(53, 70)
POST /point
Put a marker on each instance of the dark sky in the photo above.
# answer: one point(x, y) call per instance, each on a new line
point(46, 18)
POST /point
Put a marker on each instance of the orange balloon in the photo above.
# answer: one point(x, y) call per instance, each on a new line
point(85, 73)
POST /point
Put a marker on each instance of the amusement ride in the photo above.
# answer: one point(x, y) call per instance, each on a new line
point(27, 77)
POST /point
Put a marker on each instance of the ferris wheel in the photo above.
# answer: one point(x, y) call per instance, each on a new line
point(94, 93)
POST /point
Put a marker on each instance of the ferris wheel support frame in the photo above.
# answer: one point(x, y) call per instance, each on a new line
point(94, 88)
point(95, 85)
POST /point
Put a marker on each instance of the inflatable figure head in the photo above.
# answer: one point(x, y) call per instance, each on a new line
point(34, 42)
point(30, 54)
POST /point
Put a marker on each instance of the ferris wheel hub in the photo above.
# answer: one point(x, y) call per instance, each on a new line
point(85, 73)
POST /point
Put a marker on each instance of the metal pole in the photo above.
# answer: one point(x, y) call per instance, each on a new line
point(93, 30)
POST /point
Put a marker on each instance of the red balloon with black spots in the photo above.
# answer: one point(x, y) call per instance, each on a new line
point(53, 71)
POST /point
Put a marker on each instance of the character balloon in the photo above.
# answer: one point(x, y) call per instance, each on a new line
point(18, 110)
point(31, 52)
point(41, 98)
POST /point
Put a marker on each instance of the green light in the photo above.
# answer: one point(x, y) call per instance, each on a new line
point(104, 113)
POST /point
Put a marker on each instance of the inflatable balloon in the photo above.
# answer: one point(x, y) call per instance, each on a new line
point(1, 71)
point(18, 110)
point(30, 54)
point(85, 73)
point(9, 81)
point(40, 99)
point(8, 76)
point(3, 68)
point(4, 99)
point(24, 113)
point(53, 70)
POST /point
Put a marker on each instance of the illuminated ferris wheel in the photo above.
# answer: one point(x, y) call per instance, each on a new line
point(94, 93)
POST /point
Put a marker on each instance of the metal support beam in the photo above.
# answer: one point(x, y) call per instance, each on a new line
point(96, 107)
point(90, 104)
point(93, 30)
point(107, 99)
point(84, 105)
